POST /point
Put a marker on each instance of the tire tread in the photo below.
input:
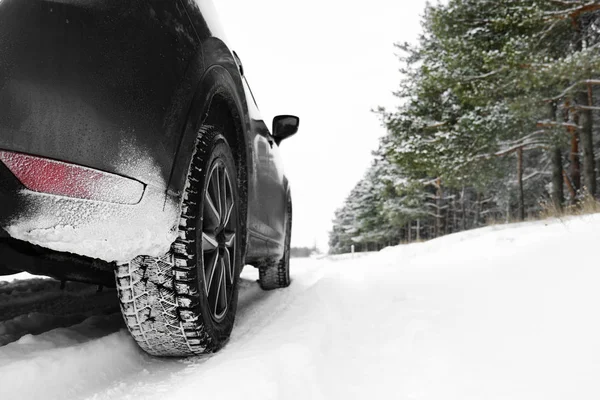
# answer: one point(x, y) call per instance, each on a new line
point(273, 273)
point(157, 294)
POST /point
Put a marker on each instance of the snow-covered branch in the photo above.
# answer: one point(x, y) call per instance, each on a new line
point(523, 146)
point(574, 12)
point(487, 75)
point(574, 86)
point(554, 124)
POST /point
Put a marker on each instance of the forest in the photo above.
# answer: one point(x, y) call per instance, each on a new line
point(497, 121)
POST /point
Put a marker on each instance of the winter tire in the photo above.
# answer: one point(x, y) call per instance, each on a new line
point(185, 302)
point(275, 273)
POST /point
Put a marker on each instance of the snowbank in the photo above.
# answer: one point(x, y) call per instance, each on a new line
point(505, 312)
point(66, 363)
point(19, 277)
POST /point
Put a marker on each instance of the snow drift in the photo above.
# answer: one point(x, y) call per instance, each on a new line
point(505, 312)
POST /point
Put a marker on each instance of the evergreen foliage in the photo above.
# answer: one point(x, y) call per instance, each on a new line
point(496, 122)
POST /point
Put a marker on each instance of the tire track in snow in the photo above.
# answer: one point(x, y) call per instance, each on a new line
point(257, 310)
point(63, 345)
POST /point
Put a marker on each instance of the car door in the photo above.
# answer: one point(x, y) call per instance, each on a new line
point(277, 193)
point(270, 189)
point(261, 198)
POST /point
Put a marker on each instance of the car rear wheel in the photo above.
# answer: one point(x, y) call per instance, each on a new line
point(184, 303)
point(275, 273)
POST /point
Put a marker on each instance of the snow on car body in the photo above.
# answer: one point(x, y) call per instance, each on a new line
point(110, 111)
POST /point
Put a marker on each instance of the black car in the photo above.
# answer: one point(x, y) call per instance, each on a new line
point(131, 146)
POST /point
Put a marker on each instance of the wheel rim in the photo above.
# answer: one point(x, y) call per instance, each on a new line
point(219, 230)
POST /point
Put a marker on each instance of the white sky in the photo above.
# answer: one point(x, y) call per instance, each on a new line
point(329, 62)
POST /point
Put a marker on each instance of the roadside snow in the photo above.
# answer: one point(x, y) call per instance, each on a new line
point(18, 277)
point(63, 363)
point(506, 312)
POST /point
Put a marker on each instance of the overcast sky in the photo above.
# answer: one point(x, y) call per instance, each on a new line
point(329, 62)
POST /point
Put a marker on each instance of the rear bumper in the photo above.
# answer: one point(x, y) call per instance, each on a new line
point(105, 85)
point(18, 256)
point(96, 229)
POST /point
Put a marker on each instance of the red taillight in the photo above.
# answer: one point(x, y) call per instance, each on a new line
point(70, 180)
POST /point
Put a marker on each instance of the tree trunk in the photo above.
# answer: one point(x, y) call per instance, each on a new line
point(569, 185)
point(558, 194)
point(463, 222)
point(575, 169)
point(447, 220)
point(477, 210)
point(521, 212)
point(454, 216)
point(418, 230)
point(584, 98)
point(587, 144)
point(438, 204)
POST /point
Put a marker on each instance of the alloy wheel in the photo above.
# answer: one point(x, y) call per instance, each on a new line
point(219, 239)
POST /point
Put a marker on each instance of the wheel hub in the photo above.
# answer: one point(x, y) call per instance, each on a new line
point(221, 238)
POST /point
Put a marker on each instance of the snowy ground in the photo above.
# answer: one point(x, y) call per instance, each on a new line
point(507, 312)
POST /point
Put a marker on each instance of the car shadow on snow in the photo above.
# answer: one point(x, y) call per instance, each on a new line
point(35, 306)
point(42, 326)
point(39, 305)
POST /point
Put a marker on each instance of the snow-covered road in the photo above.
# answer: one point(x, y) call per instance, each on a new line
point(506, 312)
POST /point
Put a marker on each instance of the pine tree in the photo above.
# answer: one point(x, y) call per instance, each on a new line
point(497, 115)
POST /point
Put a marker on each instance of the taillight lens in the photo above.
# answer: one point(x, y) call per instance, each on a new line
point(70, 180)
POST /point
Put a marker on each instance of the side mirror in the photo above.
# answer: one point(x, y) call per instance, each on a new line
point(284, 126)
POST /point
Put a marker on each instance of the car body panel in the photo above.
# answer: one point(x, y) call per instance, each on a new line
point(90, 82)
point(265, 227)
point(122, 86)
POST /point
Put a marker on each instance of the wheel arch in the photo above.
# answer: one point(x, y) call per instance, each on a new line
point(217, 101)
